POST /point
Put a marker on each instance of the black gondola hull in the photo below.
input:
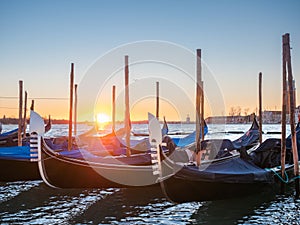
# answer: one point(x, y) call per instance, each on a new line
point(18, 170)
point(207, 191)
point(182, 187)
point(65, 172)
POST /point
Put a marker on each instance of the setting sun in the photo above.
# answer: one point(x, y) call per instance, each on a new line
point(103, 118)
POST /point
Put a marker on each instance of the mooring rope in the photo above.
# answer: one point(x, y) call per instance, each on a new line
point(285, 174)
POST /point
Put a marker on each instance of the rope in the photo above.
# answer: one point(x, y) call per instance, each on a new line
point(279, 176)
point(295, 178)
point(285, 174)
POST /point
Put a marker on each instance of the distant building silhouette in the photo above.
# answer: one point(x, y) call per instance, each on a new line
point(188, 119)
point(268, 116)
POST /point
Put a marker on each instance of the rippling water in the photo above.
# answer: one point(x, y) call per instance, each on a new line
point(32, 202)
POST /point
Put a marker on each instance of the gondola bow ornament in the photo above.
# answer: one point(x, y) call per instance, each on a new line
point(37, 130)
point(155, 138)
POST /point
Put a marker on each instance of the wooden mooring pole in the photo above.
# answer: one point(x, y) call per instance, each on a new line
point(32, 105)
point(292, 115)
point(75, 109)
point(20, 113)
point(127, 114)
point(198, 99)
point(294, 92)
point(157, 100)
point(260, 107)
point(113, 108)
point(71, 106)
point(24, 117)
point(283, 113)
point(202, 112)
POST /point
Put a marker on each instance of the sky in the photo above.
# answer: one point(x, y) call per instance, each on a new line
point(40, 39)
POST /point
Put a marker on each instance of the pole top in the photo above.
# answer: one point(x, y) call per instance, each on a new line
point(199, 53)
point(126, 61)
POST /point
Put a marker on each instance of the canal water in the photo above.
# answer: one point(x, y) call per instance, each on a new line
point(32, 202)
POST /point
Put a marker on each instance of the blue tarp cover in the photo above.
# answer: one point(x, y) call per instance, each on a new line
point(247, 139)
point(23, 153)
point(8, 132)
point(289, 139)
point(189, 139)
point(78, 154)
point(15, 152)
point(235, 170)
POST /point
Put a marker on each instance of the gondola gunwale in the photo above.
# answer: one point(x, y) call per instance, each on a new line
point(92, 169)
point(85, 162)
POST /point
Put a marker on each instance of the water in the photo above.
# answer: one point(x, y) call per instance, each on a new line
point(32, 202)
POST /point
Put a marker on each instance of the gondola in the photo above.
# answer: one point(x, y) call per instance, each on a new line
point(20, 163)
point(212, 149)
point(10, 138)
point(220, 148)
point(228, 177)
point(15, 161)
point(62, 171)
point(15, 164)
point(78, 168)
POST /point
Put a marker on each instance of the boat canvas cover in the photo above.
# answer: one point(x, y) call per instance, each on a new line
point(15, 153)
point(62, 149)
point(235, 170)
point(78, 154)
point(268, 154)
point(249, 138)
point(82, 154)
point(189, 139)
point(23, 153)
point(9, 133)
point(289, 139)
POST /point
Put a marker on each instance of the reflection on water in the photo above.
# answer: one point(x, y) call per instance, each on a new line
point(260, 208)
point(35, 203)
point(137, 206)
point(231, 210)
point(43, 205)
point(12, 189)
point(39, 204)
point(282, 210)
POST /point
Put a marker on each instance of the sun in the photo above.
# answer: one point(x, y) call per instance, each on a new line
point(103, 118)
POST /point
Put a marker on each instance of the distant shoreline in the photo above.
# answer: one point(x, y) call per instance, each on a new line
point(14, 121)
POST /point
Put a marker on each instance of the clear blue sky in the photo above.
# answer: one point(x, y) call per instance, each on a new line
point(239, 39)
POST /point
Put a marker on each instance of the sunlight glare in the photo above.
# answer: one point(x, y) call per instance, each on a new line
point(103, 118)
